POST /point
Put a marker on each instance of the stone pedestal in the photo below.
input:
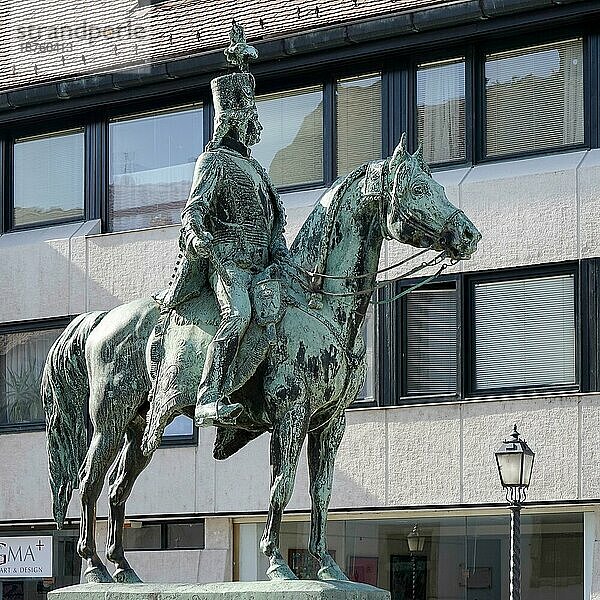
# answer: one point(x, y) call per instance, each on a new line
point(237, 590)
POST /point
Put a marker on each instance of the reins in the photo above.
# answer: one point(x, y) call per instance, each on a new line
point(375, 176)
point(315, 278)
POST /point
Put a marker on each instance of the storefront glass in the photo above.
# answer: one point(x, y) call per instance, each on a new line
point(66, 564)
point(463, 558)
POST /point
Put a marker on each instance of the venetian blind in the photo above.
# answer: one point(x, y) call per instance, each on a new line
point(358, 121)
point(431, 346)
point(48, 178)
point(534, 98)
point(291, 146)
point(525, 332)
point(441, 110)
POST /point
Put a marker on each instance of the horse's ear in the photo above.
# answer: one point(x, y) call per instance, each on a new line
point(418, 156)
point(400, 153)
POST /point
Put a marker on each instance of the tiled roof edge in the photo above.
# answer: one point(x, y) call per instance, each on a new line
point(437, 17)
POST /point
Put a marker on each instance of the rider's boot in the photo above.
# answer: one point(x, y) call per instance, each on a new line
point(212, 405)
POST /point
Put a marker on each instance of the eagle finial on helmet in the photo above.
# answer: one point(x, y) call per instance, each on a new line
point(239, 53)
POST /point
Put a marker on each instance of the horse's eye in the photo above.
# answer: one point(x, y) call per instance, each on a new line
point(419, 189)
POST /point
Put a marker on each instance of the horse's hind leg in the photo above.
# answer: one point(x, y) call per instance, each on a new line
point(322, 448)
point(101, 453)
point(129, 465)
point(286, 442)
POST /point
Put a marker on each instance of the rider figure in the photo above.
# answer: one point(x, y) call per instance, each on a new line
point(234, 219)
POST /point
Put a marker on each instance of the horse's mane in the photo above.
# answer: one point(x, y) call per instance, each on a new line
point(305, 249)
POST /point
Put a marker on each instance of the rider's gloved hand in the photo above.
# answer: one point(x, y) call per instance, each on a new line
point(195, 244)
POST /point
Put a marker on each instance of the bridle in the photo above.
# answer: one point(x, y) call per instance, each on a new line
point(374, 186)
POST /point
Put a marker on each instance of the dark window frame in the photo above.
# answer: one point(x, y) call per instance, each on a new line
point(397, 392)
point(20, 327)
point(391, 338)
point(137, 110)
point(7, 155)
point(398, 71)
point(467, 54)
point(327, 83)
point(335, 79)
point(516, 274)
point(516, 43)
point(181, 441)
point(164, 535)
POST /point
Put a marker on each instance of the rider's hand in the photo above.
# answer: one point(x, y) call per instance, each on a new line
point(196, 244)
point(201, 244)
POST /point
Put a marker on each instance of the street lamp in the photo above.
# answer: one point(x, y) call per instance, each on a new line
point(416, 543)
point(515, 463)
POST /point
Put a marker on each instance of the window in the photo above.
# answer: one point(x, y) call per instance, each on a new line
point(463, 557)
point(534, 98)
point(152, 161)
point(181, 426)
point(48, 178)
point(496, 332)
point(524, 333)
point(367, 394)
point(431, 341)
point(22, 358)
point(358, 121)
point(142, 536)
point(139, 535)
point(185, 535)
point(441, 111)
point(291, 146)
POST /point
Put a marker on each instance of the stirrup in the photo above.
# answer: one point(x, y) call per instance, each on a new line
point(217, 413)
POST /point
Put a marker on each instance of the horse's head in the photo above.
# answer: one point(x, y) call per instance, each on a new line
point(418, 212)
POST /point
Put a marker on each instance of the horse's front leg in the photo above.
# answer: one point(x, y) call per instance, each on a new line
point(286, 442)
point(322, 448)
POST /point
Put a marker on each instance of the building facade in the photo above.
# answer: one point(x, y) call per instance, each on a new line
point(104, 108)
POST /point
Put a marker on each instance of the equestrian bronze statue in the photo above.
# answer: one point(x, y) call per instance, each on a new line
point(295, 357)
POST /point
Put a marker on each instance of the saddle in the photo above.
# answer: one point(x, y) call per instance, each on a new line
point(178, 346)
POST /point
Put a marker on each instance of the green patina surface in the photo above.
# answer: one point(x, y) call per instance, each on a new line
point(256, 590)
point(246, 338)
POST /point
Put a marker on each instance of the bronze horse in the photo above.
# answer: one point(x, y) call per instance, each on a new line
point(311, 374)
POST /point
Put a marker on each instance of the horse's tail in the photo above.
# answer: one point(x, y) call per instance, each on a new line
point(65, 392)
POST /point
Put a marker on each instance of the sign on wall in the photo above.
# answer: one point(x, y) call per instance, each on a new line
point(23, 557)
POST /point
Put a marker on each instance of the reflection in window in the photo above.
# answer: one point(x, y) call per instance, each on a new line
point(462, 558)
point(524, 332)
point(180, 426)
point(367, 393)
point(139, 535)
point(291, 146)
point(358, 121)
point(152, 161)
point(534, 98)
point(431, 341)
point(441, 110)
point(48, 178)
point(142, 536)
point(22, 357)
point(185, 535)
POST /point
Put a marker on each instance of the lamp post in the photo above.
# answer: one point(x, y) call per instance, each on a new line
point(515, 463)
point(416, 543)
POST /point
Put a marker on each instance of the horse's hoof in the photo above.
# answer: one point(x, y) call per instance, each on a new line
point(126, 576)
point(280, 570)
point(332, 573)
point(97, 574)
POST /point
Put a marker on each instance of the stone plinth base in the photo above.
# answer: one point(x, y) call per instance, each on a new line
point(237, 590)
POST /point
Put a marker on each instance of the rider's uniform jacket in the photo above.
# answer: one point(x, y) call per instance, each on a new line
point(233, 199)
